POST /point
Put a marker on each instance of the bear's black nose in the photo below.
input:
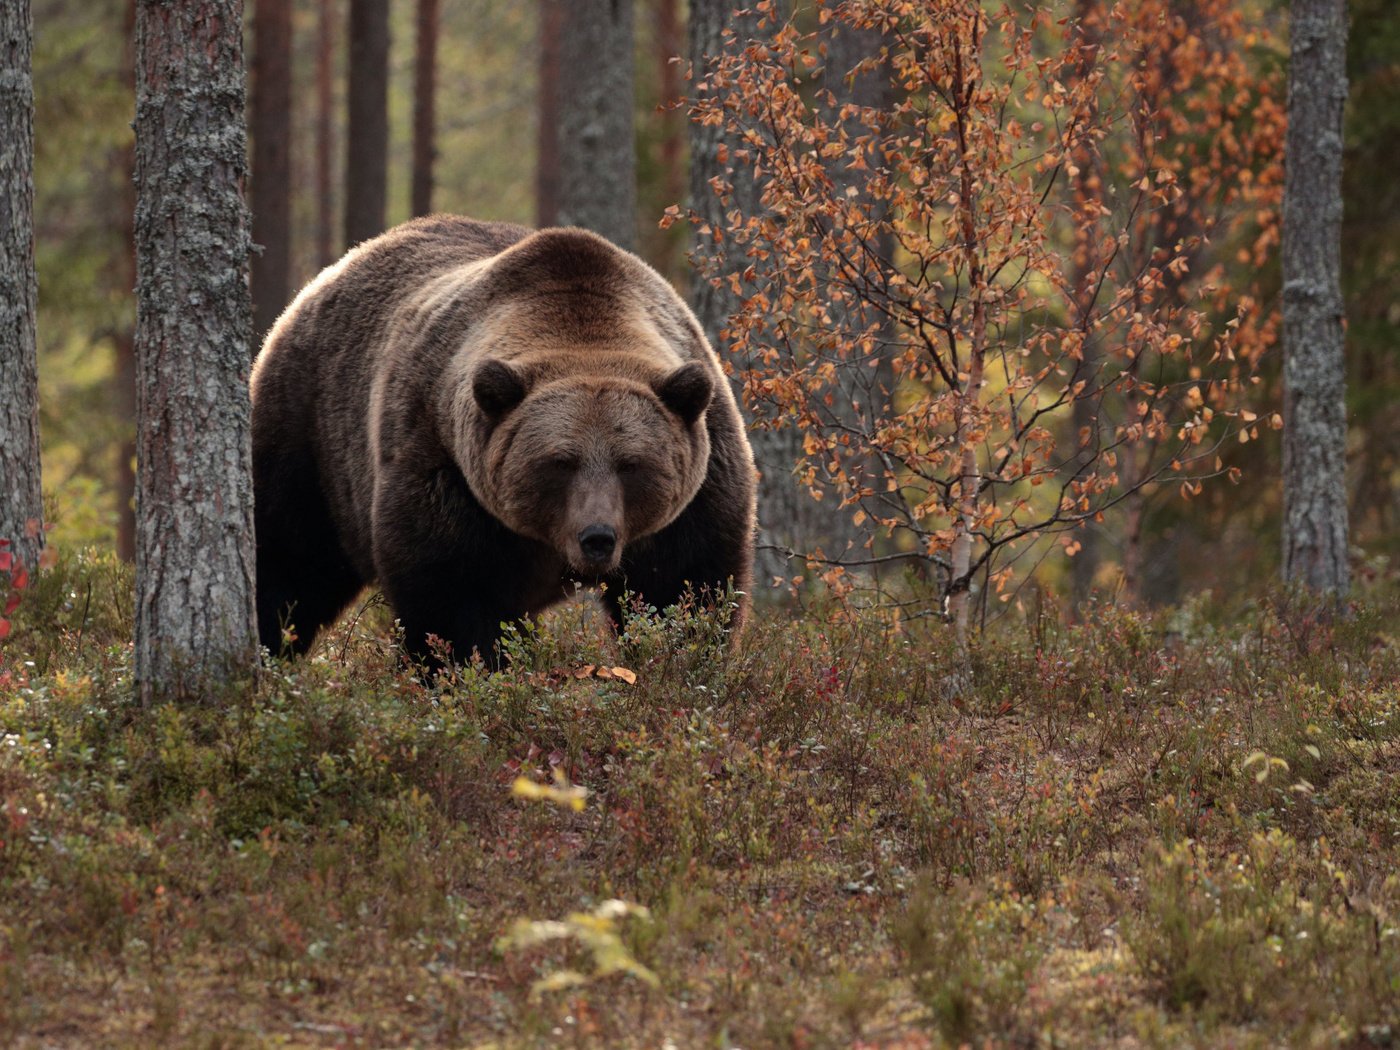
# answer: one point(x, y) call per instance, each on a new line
point(597, 542)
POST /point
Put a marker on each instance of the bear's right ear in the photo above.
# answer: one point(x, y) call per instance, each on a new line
point(497, 388)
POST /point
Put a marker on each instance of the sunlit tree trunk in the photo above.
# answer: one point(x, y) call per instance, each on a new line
point(194, 541)
point(21, 498)
point(1314, 417)
point(271, 128)
point(325, 132)
point(367, 128)
point(424, 107)
point(597, 151)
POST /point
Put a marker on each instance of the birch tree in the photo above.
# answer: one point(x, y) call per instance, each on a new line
point(1314, 416)
point(194, 541)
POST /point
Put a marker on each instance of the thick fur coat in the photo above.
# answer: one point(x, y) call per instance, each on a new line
point(476, 418)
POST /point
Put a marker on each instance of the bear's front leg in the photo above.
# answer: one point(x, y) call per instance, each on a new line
point(447, 567)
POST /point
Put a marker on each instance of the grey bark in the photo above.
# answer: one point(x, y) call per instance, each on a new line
point(367, 131)
point(21, 499)
point(425, 108)
point(595, 105)
point(864, 390)
point(785, 511)
point(270, 118)
point(194, 537)
point(1314, 433)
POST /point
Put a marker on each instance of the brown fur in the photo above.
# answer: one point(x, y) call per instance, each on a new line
point(455, 407)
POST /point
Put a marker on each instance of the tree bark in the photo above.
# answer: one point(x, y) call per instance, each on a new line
point(1314, 432)
point(424, 106)
point(271, 112)
point(595, 104)
point(194, 543)
point(21, 497)
point(325, 132)
point(551, 15)
point(784, 509)
point(124, 341)
point(865, 390)
point(367, 137)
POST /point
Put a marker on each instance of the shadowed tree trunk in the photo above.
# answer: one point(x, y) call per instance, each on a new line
point(551, 16)
point(194, 538)
point(784, 510)
point(272, 162)
point(424, 103)
point(1314, 416)
point(668, 50)
point(367, 132)
point(595, 107)
point(21, 498)
point(863, 388)
point(325, 132)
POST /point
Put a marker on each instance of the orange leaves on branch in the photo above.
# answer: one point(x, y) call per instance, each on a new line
point(1028, 220)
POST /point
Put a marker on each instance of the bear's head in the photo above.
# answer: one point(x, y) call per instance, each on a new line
point(588, 464)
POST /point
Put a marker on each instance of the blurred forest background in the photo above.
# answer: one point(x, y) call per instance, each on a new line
point(487, 112)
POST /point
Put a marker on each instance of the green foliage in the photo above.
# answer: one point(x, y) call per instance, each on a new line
point(843, 830)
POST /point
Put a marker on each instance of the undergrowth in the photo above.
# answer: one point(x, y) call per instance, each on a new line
point(1147, 830)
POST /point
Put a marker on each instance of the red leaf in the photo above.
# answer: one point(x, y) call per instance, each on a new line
point(21, 578)
point(11, 604)
point(6, 559)
point(4, 629)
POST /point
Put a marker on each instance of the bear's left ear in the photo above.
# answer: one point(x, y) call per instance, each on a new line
point(687, 391)
point(497, 388)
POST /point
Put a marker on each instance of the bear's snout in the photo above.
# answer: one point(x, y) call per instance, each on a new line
point(598, 543)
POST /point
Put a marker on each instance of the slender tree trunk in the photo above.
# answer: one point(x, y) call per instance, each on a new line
point(21, 497)
point(367, 137)
point(551, 16)
point(271, 128)
point(424, 103)
point(325, 132)
point(597, 145)
point(194, 542)
point(1314, 418)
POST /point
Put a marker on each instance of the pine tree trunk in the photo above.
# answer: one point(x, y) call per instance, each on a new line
point(194, 543)
point(597, 150)
point(1314, 418)
point(424, 106)
point(325, 132)
point(551, 16)
point(784, 509)
point(864, 390)
point(367, 133)
point(271, 112)
point(21, 498)
point(124, 367)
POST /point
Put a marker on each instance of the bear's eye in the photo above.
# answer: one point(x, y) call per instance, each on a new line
point(563, 462)
point(627, 466)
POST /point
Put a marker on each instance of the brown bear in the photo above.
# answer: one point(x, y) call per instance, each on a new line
point(478, 417)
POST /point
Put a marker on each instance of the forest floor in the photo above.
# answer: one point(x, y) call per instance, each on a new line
point(1177, 829)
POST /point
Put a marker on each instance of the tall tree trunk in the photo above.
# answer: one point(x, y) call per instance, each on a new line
point(784, 509)
point(271, 112)
point(596, 140)
point(551, 17)
point(424, 103)
point(325, 132)
point(194, 541)
point(865, 389)
point(21, 498)
point(367, 136)
point(1314, 417)
point(668, 50)
point(124, 367)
